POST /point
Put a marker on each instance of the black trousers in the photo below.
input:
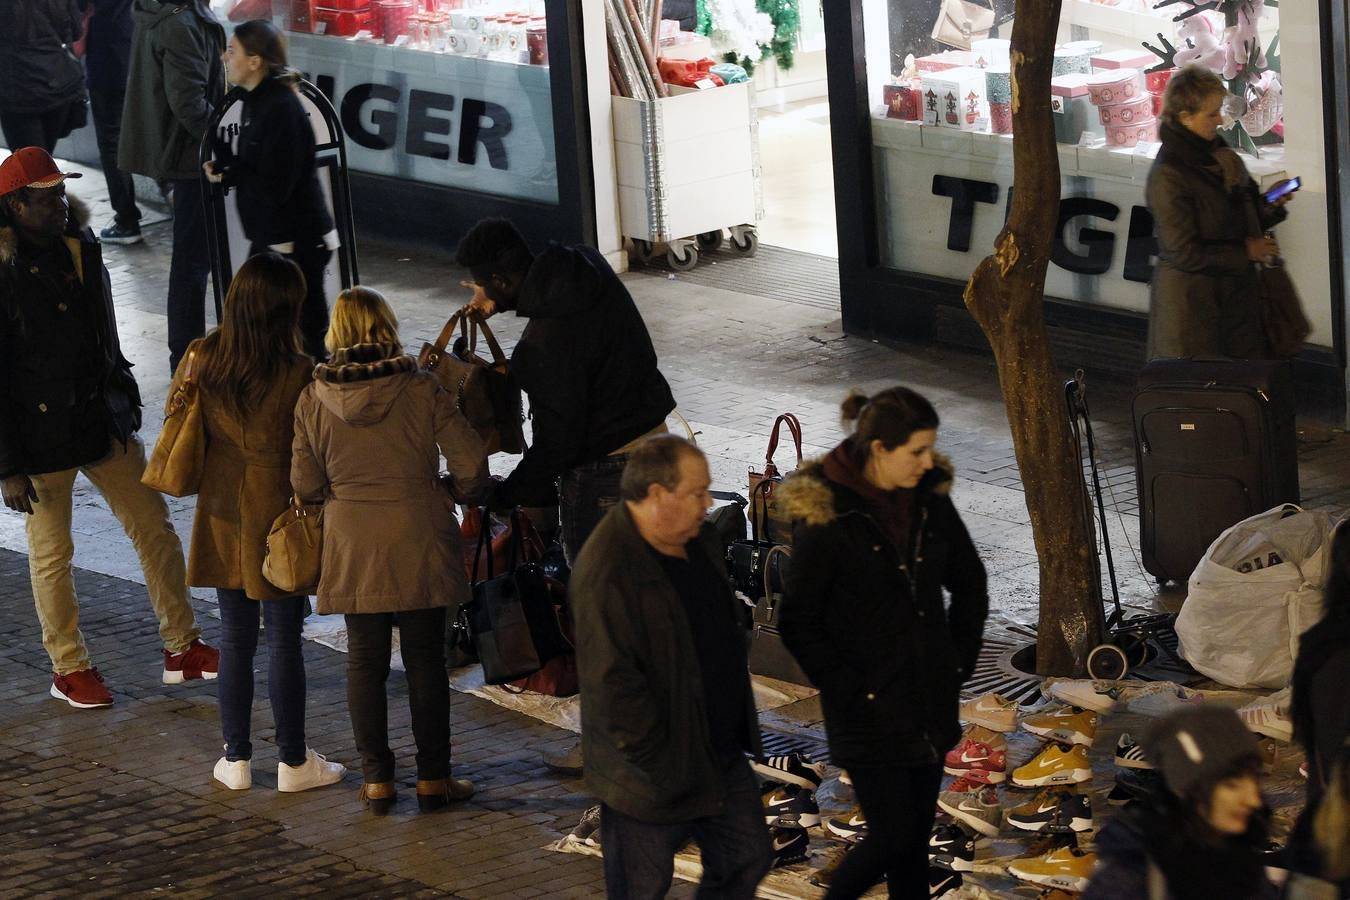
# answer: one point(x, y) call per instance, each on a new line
point(105, 103)
point(899, 803)
point(42, 129)
point(312, 258)
point(189, 268)
point(422, 646)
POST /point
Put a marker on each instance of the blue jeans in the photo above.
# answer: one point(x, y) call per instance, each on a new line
point(585, 495)
point(282, 620)
point(189, 267)
point(734, 844)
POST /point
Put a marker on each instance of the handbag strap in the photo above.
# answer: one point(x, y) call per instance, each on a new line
point(795, 429)
point(438, 348)
point(484, 528)
point(759, 507)
point(478, 323)
point(775, 551)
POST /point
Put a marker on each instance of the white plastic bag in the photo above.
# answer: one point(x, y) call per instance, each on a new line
point(1256, 590)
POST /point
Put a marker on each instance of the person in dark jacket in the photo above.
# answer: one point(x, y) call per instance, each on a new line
point(1211, 223)
point(42, 96)
point(107, 61)
point(876, 539)
point(1321, 704)
point(667, 714)
point(586, 362)
point(281, 205)
point(176, 80)
point(69, 405)
point(1201, 837)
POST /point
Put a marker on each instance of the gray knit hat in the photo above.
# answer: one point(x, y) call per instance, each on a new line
point(1198, 745)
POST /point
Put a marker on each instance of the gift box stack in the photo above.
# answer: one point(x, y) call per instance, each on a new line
point(1123, 106)
point(955, 98)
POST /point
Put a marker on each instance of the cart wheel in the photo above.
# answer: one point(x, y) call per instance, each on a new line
point(643, 249)
point(682, 263)
point(1107, 662)
point(1134, 647)
point(745, 245)
point(709, 241)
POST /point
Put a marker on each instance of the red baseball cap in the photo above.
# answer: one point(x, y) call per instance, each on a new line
point(30, 167)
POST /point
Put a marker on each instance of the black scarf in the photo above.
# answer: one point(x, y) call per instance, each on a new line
point(1201, 868)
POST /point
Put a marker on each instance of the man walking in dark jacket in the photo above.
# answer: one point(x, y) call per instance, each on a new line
point(176, 80)
point(667, 713)
point(107, 60)
point(41, 82)
point(586, 362)
point(69, 404)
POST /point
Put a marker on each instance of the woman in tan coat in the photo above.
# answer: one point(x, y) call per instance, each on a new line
point(366, 437)
point(248, 373)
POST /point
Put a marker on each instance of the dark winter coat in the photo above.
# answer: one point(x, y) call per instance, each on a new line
point(107, 57)
point(175, 82)
point(367, 432)
point(66, 390)
point(587, 364)
point(866, 619)
point(279, 197)
point(1204, 300)
point(1144, 854)
point(644, 728)
point(38, 71)
point(246, 479)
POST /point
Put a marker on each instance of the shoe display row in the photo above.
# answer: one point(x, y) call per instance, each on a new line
point(789, 805)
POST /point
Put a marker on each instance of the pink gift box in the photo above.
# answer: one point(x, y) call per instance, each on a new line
point(1140, 109)
point(903, 101)
point(1072, 85)
point(1113, 86)
point(1123, 59)
point(1156, 82)
point(1129, 135)
point(1000, 118)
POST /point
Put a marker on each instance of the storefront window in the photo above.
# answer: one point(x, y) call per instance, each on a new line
point(453, 93)
point(938, 78)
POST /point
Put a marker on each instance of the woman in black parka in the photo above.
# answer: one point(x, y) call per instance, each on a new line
point(281, 205)
point(1210, 219)
point(876, 539)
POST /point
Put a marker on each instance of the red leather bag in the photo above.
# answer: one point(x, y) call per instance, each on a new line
point(767, 522)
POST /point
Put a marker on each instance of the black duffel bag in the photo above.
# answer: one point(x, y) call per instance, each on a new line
point(512, 619)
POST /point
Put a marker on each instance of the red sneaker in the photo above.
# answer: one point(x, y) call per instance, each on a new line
point(83, 689)
point(197, 661)
point(977, 760)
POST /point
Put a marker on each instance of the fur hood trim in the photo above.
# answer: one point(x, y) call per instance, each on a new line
point(76, 223)
point(363, 362)
point(806, 496)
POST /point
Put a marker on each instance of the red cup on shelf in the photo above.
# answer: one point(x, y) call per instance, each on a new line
point(394, 16)
point(536, 42)
point(1000, 118)
point(1156, 82)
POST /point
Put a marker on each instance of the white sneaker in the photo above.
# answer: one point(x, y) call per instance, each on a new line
point(314, 772)
point(237, 775)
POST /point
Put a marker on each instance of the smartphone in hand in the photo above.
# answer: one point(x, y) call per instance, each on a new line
point(1283, 190)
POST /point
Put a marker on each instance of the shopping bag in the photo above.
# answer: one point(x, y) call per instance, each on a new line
point(1253, 594)
point(176, 463)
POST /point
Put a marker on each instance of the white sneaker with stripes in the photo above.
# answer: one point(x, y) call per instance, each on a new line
point(791, 768)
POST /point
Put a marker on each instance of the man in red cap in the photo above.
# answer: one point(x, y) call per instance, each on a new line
point(69, 404)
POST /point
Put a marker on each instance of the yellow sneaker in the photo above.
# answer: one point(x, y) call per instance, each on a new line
point(1072, 725)
point(1067, 868)
point(1056, 764)
point(991, 711)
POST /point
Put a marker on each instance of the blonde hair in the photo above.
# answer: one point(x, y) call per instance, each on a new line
point(361, 315)
point(1189, 90)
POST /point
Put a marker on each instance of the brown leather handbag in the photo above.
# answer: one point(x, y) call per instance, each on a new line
point(767, 522)
point(179, 456)
point(295, 549)
point(1282, 315)
point(484, 391)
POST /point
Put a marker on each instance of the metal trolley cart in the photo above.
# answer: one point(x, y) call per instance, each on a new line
point(688, 167)
point(225, 236)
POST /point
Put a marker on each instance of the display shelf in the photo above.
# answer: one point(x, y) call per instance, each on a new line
point(1101, 20)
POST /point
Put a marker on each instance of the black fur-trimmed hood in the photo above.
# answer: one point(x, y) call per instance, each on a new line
point(360, 384)
point(807, 496)
point(76, 223)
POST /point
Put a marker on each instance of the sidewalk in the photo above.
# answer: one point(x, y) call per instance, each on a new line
point(123, 797)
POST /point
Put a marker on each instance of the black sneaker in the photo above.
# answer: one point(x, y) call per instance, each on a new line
point(791, 768)
point(851, 826)
point(940, 881)
point(1135, 784)
point(117, 233)
point(789, 845)
point(1054, 812)
point(789, 806)
point(1129, 755)
point(588, 829)
point(952, 848)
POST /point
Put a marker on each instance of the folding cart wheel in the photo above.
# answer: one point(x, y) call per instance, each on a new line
point(682, 255)
point(744, 240)
point(709, 241)
point(643, 249)
point(1107, 662)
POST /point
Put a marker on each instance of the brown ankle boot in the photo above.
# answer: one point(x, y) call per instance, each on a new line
point(378, 796)
point(438, 793)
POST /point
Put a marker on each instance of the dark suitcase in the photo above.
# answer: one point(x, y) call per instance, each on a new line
point(1214, 444)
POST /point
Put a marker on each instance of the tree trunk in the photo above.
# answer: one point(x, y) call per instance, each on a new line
point(1006, 296)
